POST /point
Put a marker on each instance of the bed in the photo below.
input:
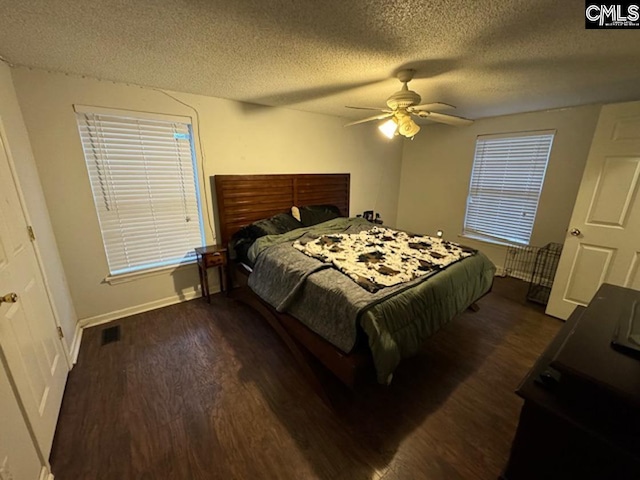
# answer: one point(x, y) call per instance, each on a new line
point(355, 332)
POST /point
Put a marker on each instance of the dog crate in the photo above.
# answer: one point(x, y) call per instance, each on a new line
point(535, 265)
point(520, 261)
point(544, 271)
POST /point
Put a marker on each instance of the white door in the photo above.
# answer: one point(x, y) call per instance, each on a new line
point(603, 241)
point(29, 340)
point(18, 456)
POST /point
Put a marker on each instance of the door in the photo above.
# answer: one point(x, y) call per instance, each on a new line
point(29, 340)
point(18, 455)
point(603, 242)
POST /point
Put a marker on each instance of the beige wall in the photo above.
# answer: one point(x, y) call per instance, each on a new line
point(235, 137)
point(436, 169)
point(20, 152)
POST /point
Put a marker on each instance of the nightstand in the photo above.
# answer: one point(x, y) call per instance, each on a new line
point(213, 256)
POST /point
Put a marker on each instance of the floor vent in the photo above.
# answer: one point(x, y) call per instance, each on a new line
point(110, 334)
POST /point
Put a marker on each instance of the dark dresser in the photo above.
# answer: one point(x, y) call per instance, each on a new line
point(581, 412)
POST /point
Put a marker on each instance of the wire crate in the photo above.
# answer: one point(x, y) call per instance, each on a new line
point(519, 262)
point(544, 271)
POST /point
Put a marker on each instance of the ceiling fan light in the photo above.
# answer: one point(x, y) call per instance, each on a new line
point(408, 128)
point(389, 128)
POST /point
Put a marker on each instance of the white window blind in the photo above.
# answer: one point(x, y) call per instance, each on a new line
point(145, 190)
point(506, 181)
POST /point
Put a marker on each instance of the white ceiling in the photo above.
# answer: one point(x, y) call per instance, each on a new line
point(487, 57)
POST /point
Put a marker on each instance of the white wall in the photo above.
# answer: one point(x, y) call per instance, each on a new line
point(236, 138)
point(436, 170)
point(22, 156)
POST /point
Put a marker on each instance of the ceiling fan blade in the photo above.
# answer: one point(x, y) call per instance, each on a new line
point(370, 108)
point(369, 119)
point(432, 106)
point(444, 118)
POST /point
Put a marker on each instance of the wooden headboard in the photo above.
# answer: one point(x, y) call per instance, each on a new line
point(243, 199)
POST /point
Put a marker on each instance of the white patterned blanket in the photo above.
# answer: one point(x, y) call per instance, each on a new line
point(381, 257)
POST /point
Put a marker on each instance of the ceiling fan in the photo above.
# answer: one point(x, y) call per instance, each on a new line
point(405, 103)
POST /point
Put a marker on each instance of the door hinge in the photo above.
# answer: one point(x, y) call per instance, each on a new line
point(60, 334)
point(32, 235)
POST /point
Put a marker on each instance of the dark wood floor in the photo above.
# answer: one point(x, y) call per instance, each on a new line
point(198, 391)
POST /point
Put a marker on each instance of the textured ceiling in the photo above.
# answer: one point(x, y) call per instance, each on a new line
point(486, 57)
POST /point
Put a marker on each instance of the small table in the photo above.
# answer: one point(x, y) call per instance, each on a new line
point(213, 256)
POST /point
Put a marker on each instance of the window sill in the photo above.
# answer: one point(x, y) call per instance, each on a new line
point(502, 243)
point(140, 274)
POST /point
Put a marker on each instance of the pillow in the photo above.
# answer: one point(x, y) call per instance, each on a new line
point(314, 214)
point(280, 223)
point(242, 240)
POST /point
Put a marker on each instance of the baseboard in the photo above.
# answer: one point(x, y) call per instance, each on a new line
point(44, 474)
point(145, 307)
point(524, 276)
point(75, 344)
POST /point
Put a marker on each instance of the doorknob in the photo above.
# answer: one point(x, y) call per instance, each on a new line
point(9, 298)
point(575, 232)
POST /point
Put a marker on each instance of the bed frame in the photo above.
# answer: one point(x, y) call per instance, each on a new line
point(243, 199)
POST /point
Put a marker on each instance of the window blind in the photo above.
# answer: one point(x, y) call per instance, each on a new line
point(506, 181)
point(144, 187)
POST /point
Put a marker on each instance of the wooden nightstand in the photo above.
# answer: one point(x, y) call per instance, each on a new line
point(213, 256)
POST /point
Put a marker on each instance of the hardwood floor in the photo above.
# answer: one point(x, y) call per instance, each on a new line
point(199, 391)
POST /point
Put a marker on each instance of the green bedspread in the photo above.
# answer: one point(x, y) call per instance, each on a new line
point(396, 324)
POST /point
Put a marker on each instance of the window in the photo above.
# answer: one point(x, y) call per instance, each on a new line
point(506, 181)
point(143, 177)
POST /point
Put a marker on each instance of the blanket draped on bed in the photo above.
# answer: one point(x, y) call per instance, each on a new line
point(396, 319)
point(381, 257)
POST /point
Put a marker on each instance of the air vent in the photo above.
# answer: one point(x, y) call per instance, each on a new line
point(110, 334)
